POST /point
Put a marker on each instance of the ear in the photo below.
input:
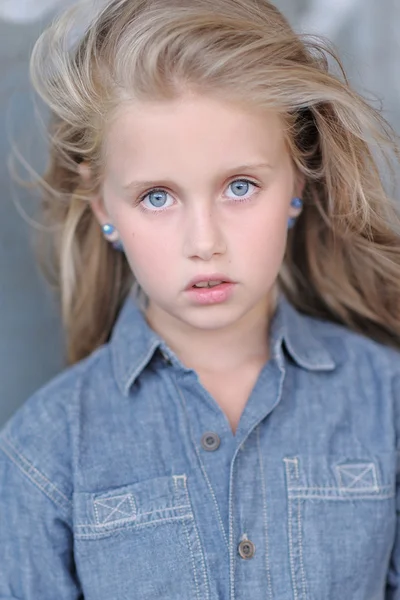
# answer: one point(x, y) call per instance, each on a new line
point(300, 183)
point(96, 201)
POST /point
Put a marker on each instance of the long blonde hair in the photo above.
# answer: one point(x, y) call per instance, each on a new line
point(342, 261)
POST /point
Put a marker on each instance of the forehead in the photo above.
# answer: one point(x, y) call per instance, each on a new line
point(192, 130)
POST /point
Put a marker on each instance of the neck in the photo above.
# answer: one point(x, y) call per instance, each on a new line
point(220, 350)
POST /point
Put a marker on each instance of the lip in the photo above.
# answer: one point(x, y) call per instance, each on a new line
point(211, 295)
point(212, 277)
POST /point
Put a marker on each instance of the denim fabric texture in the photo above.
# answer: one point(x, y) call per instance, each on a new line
point(121, 477)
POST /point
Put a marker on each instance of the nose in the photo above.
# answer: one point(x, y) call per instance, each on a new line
point(203, 236)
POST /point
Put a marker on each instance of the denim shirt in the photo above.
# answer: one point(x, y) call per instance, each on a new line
point(121, 478)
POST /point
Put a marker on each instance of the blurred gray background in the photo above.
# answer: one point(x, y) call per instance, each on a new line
point(367, 35)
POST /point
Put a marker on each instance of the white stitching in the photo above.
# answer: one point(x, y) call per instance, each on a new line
point(337, 489)
point(138, 515)
point(190, 548)
point(303, 575)
point(193, 561)
point(290, 511)
point(368, 468)
point(290, 533)
point(342, 498)
point(151, 512)
point(27, 465)
point(115, 509)
point(176, 477)
point(230, 547)
point(265, 515)
point(133, 526)
point(231, 523)
point(202, 466)
point(295, 462)
point(205, 572)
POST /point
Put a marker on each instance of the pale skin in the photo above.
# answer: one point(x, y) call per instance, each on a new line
point(193, 151)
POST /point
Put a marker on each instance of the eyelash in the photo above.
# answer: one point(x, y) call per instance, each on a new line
point(139, 201)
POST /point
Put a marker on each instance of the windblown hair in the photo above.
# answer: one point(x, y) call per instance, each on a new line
point(342, 261)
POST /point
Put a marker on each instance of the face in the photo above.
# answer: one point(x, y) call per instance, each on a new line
point(199, 188)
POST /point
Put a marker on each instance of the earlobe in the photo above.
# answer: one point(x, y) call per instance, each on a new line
point(298, 184)
point(296, 208)
point(95, 201)
point(296, 204)
point(99, 211)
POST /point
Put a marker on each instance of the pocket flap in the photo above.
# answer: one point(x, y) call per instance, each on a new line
point(340, 477)
point(357, 477)
point(145, 502)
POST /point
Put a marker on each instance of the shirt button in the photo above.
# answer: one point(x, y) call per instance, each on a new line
point(210, 441)
point(246, 549)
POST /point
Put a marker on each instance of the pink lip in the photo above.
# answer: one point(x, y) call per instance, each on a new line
point(212, 277)
point(214, 295)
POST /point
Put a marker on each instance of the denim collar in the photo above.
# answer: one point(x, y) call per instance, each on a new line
point(133, 343)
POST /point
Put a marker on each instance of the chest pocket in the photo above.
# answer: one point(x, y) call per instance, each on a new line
point(341, 521)
point(139, 541)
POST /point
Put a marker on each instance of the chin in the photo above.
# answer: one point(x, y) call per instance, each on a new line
point(209, 318)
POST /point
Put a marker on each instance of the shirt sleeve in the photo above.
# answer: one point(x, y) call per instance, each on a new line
point(36, 542)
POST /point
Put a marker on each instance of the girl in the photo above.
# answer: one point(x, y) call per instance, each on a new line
point(228, 265)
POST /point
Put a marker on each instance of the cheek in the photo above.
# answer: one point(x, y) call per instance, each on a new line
point(148, 251)
point(263, 236)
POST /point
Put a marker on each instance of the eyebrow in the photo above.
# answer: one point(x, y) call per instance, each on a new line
point(135, 185)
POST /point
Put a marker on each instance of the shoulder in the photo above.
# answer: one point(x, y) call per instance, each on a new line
point(39, 437)
point(349, 347)
point(366, 371)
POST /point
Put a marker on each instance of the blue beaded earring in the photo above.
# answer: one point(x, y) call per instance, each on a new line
point(109, 230)
point(296, 203)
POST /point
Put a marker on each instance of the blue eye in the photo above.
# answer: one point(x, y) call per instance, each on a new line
point(155, 199)
point(242, 186)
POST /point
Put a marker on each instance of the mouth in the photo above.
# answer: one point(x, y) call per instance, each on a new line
point(208, 284)
point(208, 290)
point(208, 281)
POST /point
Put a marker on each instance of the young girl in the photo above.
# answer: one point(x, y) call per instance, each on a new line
point(229, 273)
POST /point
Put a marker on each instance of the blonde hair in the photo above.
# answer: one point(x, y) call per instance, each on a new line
point(342, 261)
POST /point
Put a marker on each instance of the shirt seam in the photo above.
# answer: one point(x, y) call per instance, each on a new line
point(34, 475)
